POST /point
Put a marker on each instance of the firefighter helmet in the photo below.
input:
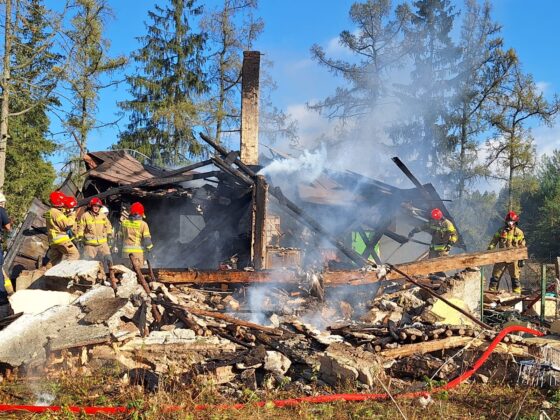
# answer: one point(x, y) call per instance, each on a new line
point(95, 202)
point(70, 202)
point(436, 214)
point(512, 217)
point(57, 198)
point(137, 208)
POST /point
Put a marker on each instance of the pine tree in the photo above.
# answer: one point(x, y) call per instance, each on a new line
point(232, 28)
point(163, 111)
point(482, 68)
point(90, 68)
point(28, 173)
point(377, 46)
point(541, 209)
point(511, 149)
point(421, 136)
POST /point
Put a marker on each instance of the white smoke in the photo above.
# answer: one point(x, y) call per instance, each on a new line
point(307, 166)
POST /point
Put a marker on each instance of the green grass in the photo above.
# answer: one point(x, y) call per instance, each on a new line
point(466, 401)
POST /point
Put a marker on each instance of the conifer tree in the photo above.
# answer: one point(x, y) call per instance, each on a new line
point(421, 136)
point(34, 71)
point(511, 149)
point(483, 67)
point(90, 68)
point(168, 80)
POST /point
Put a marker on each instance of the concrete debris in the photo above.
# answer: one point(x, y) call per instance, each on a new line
point(276, 362)
point(257, 338)
point(62, 275)
point(343, 364)
point(35, 301)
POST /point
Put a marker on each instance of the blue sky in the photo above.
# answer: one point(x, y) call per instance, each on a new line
point(291, 27)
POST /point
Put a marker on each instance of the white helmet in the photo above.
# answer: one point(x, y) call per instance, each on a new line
point(2, 198)
point(104, 210)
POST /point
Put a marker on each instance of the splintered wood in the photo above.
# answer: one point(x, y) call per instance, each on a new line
point(343, 277)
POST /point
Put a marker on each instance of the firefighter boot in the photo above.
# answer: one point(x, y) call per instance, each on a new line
point(494, 283)
point(516, 285)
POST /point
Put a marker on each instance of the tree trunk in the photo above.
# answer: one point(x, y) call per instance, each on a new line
point(462, 154)
point(5, 109)
point(510, 178)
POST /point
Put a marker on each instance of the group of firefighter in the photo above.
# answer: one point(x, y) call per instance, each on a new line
point(92, 232)
point(444, 236)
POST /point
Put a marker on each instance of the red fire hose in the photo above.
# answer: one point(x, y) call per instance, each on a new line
point(292, 401)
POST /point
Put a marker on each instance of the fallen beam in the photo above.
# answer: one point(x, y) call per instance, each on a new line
point(425, 267)
point(450, 343)
point(426, 347)
point(164, 275)
point(342, 277)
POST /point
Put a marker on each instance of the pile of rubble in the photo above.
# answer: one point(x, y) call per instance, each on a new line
point(255, 337)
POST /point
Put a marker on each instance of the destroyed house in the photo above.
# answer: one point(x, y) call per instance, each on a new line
point(211, 216)
point(220, 214)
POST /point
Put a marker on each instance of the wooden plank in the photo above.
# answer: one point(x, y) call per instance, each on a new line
point(258, 242)
point(342, 277)
point(250, 74)
point(227, 276)
point(425, 267)
point(426, 347)
point(449, 343)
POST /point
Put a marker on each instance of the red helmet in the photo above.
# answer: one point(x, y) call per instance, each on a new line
point(512, 217)
point(95, 202)
point(70, 202)
point(137, 208)
point(57, 198)
point(436, 214)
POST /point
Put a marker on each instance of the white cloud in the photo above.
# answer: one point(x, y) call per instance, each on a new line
point(542, 87)
point(335, 49)
point(547, 139)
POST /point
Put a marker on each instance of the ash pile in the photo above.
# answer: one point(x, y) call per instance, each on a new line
point(247, 336)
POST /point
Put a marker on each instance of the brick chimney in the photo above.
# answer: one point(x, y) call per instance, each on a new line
point(250, 74)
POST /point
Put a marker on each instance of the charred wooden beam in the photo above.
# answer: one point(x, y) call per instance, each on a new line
point(258, 241)
point(425, 194)
point(223, 151)
point(169, 178)
point(142, 281)
point(342, 277)
point(227, 276)
point(425, 267)
point(227, 168)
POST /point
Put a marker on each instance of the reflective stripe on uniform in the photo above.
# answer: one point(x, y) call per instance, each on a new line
point(439, 247)
point(59, 239)
point(128, 249)
point(95, 241)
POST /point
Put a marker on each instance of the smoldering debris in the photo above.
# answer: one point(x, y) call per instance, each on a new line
point(252, 336)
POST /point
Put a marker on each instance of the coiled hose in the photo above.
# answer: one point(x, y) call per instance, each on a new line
point(291, 401)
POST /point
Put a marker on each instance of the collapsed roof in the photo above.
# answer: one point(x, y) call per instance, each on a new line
point(207, 214)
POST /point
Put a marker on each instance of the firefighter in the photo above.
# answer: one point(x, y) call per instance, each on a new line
point(136, 238)
point(95, 233)
point(57, 223)
point(5, 224)
point(508, 236)
point(70, 204)
point(444, 234)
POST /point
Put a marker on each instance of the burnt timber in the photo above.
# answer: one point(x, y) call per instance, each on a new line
point(340, 277)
